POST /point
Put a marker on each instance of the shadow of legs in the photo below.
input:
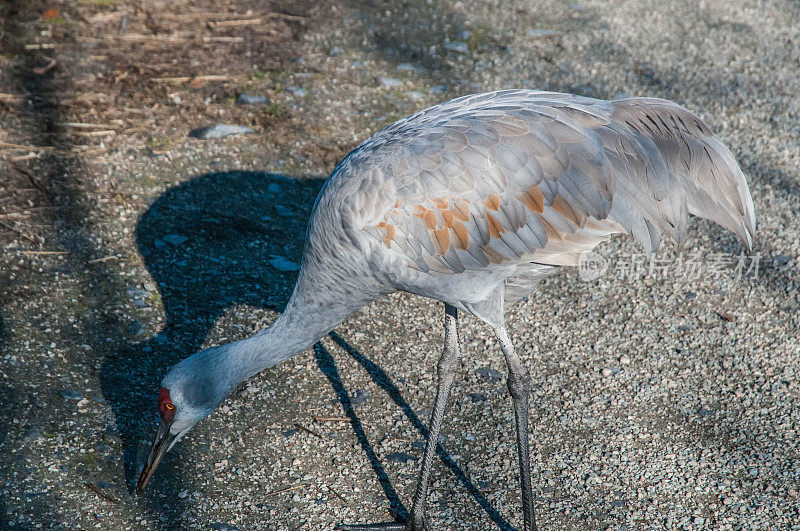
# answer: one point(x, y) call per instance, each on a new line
point(384, 382)
point(328, 367)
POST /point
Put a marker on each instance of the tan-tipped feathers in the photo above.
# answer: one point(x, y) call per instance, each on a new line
point(515, 177)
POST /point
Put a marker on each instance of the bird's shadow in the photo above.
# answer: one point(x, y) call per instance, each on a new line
point(208, 244)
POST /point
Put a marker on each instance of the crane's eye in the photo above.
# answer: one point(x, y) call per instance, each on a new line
point(169, 407)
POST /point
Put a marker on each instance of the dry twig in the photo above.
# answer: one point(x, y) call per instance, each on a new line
point(44, 252)
point(100, 260)
point(81, 125)
point(100, 492)
point(335, 493)
point(33, 181)
point(232, 23)
point(40, 71)
point(11, 98)
point(42, 46)
point(331, 419)
point(14, 229)
point(22, 158)
point(187, 79)
point(20, 146)
point(223, 39)
point(96, 133)
point(301, 427)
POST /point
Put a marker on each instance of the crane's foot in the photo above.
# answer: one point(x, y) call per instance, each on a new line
point(421, 524)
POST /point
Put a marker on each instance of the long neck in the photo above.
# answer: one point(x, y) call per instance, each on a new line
point(308, 316)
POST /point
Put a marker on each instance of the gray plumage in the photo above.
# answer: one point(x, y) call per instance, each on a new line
point(472, 202)
point(485, 190)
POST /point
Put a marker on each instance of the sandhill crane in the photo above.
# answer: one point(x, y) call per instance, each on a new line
point(471, 203)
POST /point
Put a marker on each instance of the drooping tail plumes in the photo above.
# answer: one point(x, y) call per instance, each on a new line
point(714, 184)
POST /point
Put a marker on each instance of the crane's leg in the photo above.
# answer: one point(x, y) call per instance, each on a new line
point(446, 369)
point(519, 388)
point(446, 372)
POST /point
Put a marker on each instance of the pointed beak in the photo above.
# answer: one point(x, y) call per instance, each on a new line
point(161, 444)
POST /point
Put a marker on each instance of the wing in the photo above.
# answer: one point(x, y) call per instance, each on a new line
point(508, 178)
point(714, 184)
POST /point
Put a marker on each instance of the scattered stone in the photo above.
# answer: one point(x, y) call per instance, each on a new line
point(246, 99)
point(359, 398)
point(534, 33)
point(283, 264)
point(489, 374)
point(584, 90)
point(438, 89)
point(284, 211)
point(390, 82)
point(415, 95)
point(135, 293)
point(624, 360)
point(220, 131)
point(335, 51)
point(608, 371)
point(69, 394)
point(136, 329)
point(703, 412)
point(400, 457)
point(410, 67)
point(457, 47)
point(175, 239)
point(298, 91)
point(33, 434)
point(222, 526)
point(477, 397)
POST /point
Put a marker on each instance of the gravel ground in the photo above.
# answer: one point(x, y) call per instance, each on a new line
point(664, 401)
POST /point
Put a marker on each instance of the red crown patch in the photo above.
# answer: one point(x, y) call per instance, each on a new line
point(165, 405)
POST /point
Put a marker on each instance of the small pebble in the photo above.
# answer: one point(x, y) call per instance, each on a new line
point(390, 82)
point(489, 374)
point(283, 264)
point(220, 131)
point(400, 457)
point(71, 395)
point(457, 47)
point(246, 99)
point(542, 33)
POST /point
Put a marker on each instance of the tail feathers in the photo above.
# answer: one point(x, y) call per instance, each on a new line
point(713, 182)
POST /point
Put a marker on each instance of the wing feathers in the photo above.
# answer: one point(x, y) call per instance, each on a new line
point(520, 176)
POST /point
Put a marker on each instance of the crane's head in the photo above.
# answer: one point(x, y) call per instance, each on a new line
point(188, 394)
